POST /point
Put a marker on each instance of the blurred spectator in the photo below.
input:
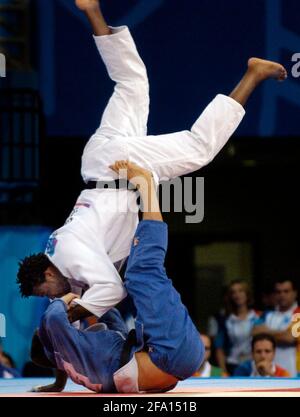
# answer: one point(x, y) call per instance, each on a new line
point(278, 324)
point(207, 370)
point(233, 341)
point(268, 298)
point(294, 331)
point(263, 352)
point(7, 367)
point(214, 322)
point(7, 360)
point(8, 373)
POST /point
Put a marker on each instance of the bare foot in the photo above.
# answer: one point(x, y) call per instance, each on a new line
point(267, 69)
point(85, 5)
point(135, 174)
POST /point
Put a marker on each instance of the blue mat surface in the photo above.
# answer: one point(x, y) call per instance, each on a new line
point(196, 385)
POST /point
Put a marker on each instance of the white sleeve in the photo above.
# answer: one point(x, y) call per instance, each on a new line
point(99, 299)
point(88, 268)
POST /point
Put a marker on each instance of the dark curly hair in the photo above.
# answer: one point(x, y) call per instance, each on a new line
point(31, 273)
point(263, 336)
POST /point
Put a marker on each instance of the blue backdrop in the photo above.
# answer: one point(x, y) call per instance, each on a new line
point(193, 49)
point(21, 315)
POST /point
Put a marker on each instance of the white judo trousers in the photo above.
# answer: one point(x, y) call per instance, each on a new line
point(100, 229)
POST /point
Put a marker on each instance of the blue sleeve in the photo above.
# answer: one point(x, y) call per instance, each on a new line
point(56, 314)
point(54, 322)
point(114, 321)
point(149, 247)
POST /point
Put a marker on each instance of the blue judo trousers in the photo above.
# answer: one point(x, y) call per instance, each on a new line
point(163, 326)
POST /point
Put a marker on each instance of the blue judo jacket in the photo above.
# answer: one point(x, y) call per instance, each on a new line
point(162, 323)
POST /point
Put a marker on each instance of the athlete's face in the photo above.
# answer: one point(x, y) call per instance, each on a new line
point(55, 285)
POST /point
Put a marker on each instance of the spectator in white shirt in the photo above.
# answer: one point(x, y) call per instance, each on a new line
point(276, 323)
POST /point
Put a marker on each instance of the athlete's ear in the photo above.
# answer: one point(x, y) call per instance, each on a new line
point(50, 272)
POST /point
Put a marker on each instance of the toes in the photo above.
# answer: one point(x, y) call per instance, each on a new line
point(283, 75)
point(113, 167)
point(118, 166)
point(123, 165)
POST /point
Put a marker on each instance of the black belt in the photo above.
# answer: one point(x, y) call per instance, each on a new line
point(122, 184)
point(128, 345)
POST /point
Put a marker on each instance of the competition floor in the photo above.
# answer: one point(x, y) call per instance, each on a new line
point(194, 387)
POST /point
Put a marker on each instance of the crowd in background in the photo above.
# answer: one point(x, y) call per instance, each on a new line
point(240, 341)
point(244, 342)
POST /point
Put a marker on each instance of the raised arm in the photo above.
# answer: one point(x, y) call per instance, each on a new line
point(39, 357)
point(92, 10)
point(142, 180)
